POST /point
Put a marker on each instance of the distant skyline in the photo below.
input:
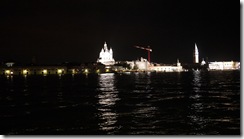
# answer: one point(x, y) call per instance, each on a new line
point(74, 31)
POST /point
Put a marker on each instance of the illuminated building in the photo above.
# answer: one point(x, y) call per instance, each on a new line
point(167, 68)
point(224, 65)
point(141, 64)
point(195, 55)
point(34, 70)
point(106, 56)
point(144, 65)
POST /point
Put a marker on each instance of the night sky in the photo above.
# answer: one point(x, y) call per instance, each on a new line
point(75, 30)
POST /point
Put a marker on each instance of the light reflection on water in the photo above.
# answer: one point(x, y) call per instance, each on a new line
point(145, 113)
point(137, 103)
point(107, 100)
point(197, 121)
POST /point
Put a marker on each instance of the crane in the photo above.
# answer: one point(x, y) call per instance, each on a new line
point(148, 50)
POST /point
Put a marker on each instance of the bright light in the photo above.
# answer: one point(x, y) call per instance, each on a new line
point(25, 71)
point(107, 70)
point(86, 71)
point(7, 71)
point(98, 70)
point(11, 72)
point(44, 71)
point(60, 71)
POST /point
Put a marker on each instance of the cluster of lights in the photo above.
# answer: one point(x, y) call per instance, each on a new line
point(58, 71)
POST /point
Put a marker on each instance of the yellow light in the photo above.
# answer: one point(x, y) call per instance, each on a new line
point(86, 70)
point(44, 71)
point(107, 70)
point(98, 70)
point(7, 71)
point(60, 71)
point(25, 71)
point(73, 71)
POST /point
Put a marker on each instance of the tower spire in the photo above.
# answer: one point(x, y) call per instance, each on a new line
point(105, 47)
point(196, 55)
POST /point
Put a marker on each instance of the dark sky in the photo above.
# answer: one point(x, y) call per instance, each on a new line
point(75, 30)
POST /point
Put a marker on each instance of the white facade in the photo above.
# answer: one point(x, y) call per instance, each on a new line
point(141, 64)
point(144, 65)
point(9, 64)
point(224, 65)
point(169, 68)
point(196, 55)
point(203, 62)
point(106, 56)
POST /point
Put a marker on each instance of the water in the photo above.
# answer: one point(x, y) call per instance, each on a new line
point(187, 103)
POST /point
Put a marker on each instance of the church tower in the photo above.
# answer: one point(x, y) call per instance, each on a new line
point(178, 63)
point(195, 55)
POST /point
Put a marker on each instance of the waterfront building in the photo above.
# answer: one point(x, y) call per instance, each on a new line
point(33, 70)
point(106, 56)
point(195, 55)
point(141, 65)
point(224, 65)
point(167, 68)
point(92, 67)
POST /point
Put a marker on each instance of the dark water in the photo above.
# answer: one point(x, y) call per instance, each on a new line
point(205, 103)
